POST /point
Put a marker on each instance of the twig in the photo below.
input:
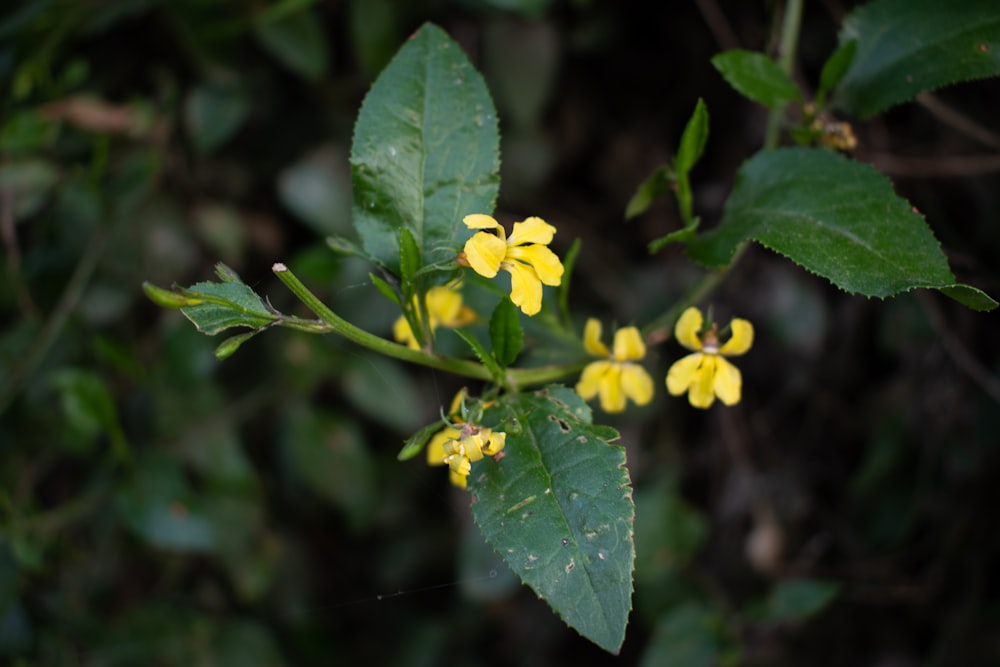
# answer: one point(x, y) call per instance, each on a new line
point(956, 166)
point(958, 121)
point(718, 25)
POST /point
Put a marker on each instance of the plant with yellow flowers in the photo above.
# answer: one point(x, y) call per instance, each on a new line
point(484, 295)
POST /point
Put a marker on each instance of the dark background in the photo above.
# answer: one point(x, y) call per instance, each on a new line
point(161, 508)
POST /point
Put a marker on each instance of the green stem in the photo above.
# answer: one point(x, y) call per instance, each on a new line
point(660, 330)
point(790, 28)
point(515, 377)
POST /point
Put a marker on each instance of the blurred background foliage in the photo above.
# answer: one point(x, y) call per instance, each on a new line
point(158, 507)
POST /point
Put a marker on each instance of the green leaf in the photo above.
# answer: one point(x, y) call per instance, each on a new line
point(796, 600)
point(226, 305)
point(297, 40)
point(409, 257)
point(682, 235)
point(425, 150)
point(485, 358)
point(756, 76)
point(693, 140)
point(228, 347)
point(416, 442)
point(690, 635)
point(558, 508)
point(656, 185)
point(385, 289)
point(837, 218)
point(908, 46)
point(506, 334)
point(834, 69)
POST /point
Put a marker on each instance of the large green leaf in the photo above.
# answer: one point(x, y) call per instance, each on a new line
point(908, 46)
point(558, 508)
point(837, 218)
point(425, 150)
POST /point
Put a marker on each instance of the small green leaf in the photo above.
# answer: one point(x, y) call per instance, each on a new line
point(416, 442)
point(693, 139)
point(297, 40)
point(409, 256)
point(656, 185)
point(167, 299)
point(835, 68)
point(683, 235)
point(837, 218)
point(558, 508)
point(228, 347)
point(386, 290)
point(425, 150)
point(485, 358)
point(756, 77)
point(506, 334)
point(906, 47)
point(226, 305)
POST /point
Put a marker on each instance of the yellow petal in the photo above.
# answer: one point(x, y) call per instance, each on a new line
point(402, 332)
point(525, 287)
point(728, 382)
point(688, 326)
point(435, 448)
point(590, 379)
point(484, 252)
point(443, 305)
point(611, 394)
point(458, 479)
point(481, 221)
point(701, 394)
point(497, 441)
point(531, 230)
point(592, 339)
point(461, 465)
point(637, 384)
point(740, 341)
point(628, 345)
point(546, 263)
point(474, 444)
point(681, 374)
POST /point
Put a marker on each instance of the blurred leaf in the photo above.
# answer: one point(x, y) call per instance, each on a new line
point(669, 532)
point(505, 333)
point(159, 506)
point(416, 442)
point(297, 40)
point(29, 184)
point(692, 635)
point(380, 388)
point(328, 453)
point(905, 47)
point(756, 76)
point(26, 132)
point(557, 507)
point(409, 258)
point(317, 189)
point(425, 150)
point(483, 575)
point(89, 410)
point(796, 600)
point(521, 79)
point(836, 218)
point(213, 113)
point(374, 33)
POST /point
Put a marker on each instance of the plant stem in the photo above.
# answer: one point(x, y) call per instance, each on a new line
point(515, 377)
point(790, 27)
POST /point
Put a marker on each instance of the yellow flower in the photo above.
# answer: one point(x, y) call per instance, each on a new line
point(459, 447)
point(524, 254)
point(444, 308)
point(615, 377)
point(705, 374)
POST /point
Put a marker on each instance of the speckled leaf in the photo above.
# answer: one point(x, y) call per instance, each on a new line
point(837, 218)
point(226, 305)
point(425, 150)
point(558, 508)
point(908, 46)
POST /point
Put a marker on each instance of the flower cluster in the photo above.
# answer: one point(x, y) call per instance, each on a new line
point(444, 309)
point(705, 374)
point(615, 377)
point(524, 254)
point(460, 444)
